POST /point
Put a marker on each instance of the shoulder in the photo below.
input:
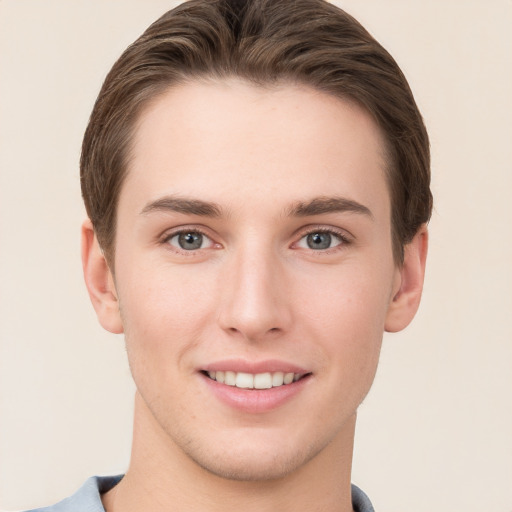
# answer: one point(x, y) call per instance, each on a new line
point(87, 498)
point(361, 502)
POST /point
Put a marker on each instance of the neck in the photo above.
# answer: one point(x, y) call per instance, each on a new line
point(161, 476)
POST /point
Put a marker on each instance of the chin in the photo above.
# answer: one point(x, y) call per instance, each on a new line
point(252, 467)
point(248, 462)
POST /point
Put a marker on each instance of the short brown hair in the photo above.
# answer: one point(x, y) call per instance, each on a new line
point(308, 42)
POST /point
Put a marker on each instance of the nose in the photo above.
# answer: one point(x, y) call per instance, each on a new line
point(254, 302)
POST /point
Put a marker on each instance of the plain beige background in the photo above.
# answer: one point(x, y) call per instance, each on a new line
point(435, 433)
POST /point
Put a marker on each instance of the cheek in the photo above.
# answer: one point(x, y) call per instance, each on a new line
point(354, 298)
point(347, 313)
point(164, 311)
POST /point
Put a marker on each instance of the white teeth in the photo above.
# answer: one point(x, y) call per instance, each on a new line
point(254, 381)
point(263, 381)
point(244, 380)
point(277, 379)
point(230, 378)
point(288, 378)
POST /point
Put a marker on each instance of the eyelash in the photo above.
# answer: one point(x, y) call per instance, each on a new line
point(342, 236)
point(167, 237)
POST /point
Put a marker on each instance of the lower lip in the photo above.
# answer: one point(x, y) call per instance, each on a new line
point(255, 400)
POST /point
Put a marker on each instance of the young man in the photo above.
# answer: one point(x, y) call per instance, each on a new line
point(256, 176)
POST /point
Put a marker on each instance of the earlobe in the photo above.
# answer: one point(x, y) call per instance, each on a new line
point(407, 296)
point(99, 281)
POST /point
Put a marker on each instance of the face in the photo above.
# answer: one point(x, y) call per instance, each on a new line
point(254, 272)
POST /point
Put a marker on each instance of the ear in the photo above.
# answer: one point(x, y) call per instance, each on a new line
point(99, 281)
point(409, 283)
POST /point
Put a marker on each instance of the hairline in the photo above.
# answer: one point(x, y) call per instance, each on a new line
point(157, 90)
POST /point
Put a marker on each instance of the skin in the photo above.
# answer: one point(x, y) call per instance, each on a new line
point(266, 160)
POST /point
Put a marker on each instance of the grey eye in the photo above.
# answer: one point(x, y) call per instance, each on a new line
point(188, 240)
point(319, 241)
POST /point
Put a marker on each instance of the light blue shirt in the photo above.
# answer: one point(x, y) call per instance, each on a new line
point(88, 497)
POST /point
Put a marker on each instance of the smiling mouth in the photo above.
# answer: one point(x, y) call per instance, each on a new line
point(244, 380)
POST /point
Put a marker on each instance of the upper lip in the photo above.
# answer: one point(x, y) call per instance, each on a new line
point(255, 367)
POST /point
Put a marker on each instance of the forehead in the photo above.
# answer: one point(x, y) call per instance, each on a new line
point(234, 142)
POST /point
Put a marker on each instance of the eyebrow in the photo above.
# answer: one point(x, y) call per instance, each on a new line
point(183, 205)
point(323, 205)
point(316, 206)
